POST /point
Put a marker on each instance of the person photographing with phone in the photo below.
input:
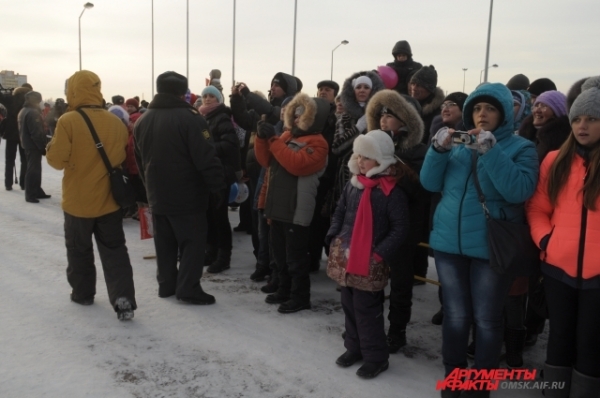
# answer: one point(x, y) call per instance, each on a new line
point(507, 169)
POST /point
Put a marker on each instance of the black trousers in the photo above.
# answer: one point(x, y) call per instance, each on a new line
point(318, 230)
point(183, 235)
point(289, 243)
point(574, 316)
point(10, 156)
point(365, 330)
point(110, 240)
point(401, 289)
point(219, 228)
point(33, 176)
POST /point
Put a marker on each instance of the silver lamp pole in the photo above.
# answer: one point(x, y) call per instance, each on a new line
point(152, 85)
point(233, 66)
point(464, 77)
point(294, 50)
point(487, 50)
point(85, 6)
point(343, 42)
point(187, 41)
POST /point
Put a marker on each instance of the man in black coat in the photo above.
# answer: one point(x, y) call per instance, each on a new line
point(33, 141)
point(404, 65)
point(10, 132)
point(179, 167)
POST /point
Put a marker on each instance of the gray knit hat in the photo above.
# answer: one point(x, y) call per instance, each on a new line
point(426, 77)
point(588, 102)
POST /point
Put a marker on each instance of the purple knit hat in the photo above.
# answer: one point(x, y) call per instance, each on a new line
point(556, 100)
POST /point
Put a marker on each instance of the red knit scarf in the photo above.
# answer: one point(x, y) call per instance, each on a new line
point(362, 233)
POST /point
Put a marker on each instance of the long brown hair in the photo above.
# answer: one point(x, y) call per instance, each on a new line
point(400, 170)
point(561, 169)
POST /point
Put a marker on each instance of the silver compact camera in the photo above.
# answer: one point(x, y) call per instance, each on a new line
point(462, 137)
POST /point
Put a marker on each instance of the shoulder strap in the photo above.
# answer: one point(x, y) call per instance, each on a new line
point(476, 182)
point(99, 145)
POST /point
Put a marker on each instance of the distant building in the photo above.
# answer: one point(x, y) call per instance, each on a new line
point(10, 79)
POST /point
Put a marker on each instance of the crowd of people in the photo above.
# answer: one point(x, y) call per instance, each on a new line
point(381, 176)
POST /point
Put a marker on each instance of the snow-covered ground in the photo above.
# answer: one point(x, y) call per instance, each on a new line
point(239, 347)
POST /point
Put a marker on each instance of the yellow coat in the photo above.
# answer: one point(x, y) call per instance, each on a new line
point(86, 187)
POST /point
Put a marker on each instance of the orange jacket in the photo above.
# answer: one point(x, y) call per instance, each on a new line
point(574, 243)
point(309, 160)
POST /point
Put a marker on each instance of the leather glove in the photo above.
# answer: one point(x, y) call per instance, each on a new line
point(43, 152)
point(440, 140)
point(346, 120)
point(361, 124)
point(265, 130)
point(328, 239)
point(485, 141)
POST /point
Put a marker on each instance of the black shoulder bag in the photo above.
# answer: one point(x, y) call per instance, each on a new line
point(511, 248)
point(120, 186)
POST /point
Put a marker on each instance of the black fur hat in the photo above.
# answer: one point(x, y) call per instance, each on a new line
point(541, 85)
point(171, 83)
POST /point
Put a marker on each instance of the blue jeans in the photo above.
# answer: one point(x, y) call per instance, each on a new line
point(472, 294)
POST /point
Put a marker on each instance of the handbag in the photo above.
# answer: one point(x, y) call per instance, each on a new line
point(120, 186)
point(511, 248)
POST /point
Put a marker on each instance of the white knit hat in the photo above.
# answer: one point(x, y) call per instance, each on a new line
point(362, 80)
point(376, 145)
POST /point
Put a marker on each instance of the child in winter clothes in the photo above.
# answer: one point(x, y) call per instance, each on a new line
point(368, 227)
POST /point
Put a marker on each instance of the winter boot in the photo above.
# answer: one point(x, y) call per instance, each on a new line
point(261, 273)
point(370, 370)
point(202, 298)
point(276, 298)
point(396, 338)
point(514, 340)
point(291, 306)
point(583, 386)
point(559, 374)
point(348, 359)
point(222, 263)
point(82, 301)
point(124, 309)
point(210, 254)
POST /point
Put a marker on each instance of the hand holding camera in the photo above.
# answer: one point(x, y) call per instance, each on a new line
point(478, 139)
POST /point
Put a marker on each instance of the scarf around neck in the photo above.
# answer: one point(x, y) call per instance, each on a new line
point(206, 109)
point(362, 232)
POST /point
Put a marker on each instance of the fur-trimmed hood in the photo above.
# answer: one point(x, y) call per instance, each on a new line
point(402, 109)
point(435, 103)
point(348, 99)
point(314, 117)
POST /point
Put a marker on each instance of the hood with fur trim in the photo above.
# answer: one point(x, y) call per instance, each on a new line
point(314, 116)
point(501, 93)
point(402, 109)
point(348, 99)
point(434, 104)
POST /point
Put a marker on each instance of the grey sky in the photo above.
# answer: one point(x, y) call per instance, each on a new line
point(551, 38)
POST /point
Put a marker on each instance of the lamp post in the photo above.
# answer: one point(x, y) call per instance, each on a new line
point(344, 42)
point(233, 66)
point(487, 50)
point(152, 85)
point(187, 40)
point(294, 50)
point(485, 70)
point(85, 6)
point(464, 77)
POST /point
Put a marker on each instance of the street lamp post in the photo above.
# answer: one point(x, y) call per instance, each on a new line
point(85, 6)
point(485, 70)
point(152, 11)
point(233, 66)
point(487, 50)
point(344, 42)
point(464, 77)
point(187, 40)
point(294, 50)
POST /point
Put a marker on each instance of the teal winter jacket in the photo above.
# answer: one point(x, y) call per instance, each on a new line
point(507, 173)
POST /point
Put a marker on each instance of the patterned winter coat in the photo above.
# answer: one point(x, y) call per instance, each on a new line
point(507, 173)
point(390, 228)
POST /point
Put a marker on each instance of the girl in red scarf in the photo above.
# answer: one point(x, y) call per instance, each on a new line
point(370, 223)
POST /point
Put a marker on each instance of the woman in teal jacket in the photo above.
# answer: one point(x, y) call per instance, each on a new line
point(507, 168)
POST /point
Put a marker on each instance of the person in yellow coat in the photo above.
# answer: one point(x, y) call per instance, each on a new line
point(87, 201)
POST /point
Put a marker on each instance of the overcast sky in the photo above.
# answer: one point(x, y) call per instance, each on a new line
point(557, 39)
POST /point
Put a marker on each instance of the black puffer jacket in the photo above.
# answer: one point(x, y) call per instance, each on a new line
point(176, 158)
point(225, 140)
point(11, 129)
point(404, 70)
point(547, 138)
